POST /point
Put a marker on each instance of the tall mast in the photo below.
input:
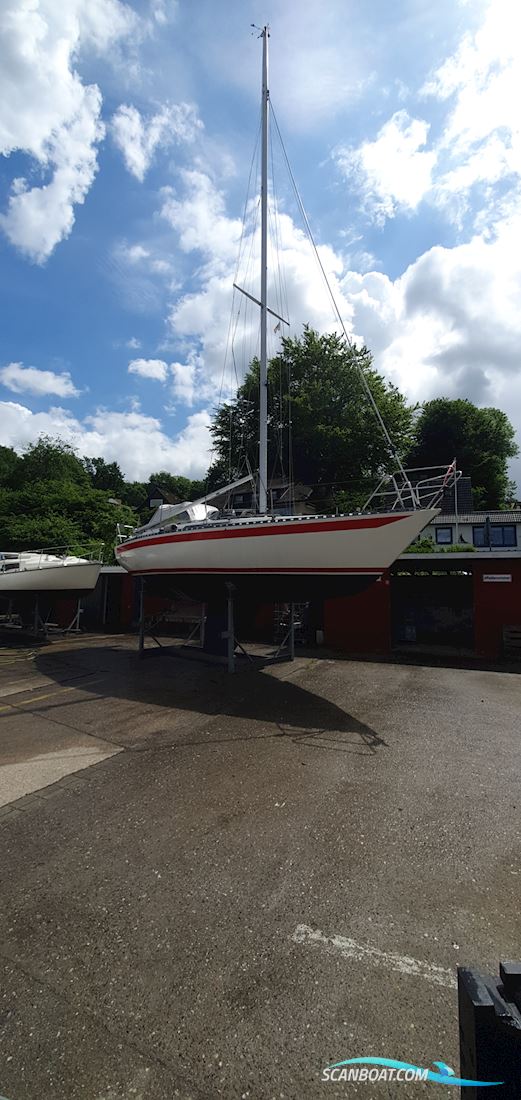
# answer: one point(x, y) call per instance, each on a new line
point(263, 403)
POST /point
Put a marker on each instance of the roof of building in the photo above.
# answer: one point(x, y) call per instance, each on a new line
point(478, 517)
point(155, 491)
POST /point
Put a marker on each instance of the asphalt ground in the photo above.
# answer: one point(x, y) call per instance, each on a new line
point(216, 886)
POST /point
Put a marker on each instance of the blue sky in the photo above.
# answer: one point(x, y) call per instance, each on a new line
point(127, 132)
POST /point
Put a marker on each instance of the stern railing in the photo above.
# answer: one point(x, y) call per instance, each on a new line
point(418, 487)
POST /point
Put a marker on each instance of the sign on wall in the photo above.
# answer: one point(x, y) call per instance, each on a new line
point(497, 577)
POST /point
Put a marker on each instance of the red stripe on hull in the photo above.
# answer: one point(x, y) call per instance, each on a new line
point(272, 529)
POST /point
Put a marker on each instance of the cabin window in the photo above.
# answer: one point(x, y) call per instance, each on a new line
point(443, 535)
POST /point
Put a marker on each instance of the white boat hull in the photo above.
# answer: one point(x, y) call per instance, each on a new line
point(309, 554)
point(77, 577)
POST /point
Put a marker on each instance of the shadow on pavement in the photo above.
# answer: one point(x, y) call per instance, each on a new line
point(253, 695)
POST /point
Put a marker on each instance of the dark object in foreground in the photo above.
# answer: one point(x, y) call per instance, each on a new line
point(490, 1031)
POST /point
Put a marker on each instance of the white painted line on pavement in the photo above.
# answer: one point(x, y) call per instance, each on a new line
point(349, 949)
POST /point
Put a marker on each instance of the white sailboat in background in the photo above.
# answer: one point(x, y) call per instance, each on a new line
point(39, 571)
point(280, 557)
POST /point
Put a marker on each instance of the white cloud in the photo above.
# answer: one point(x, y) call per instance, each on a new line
point(137, 442)
point(48, 113)
point(200, 218)
point(22, 379)
point(149, 368)
point(184, 382)
point(483, 78)
point(133, 343)
point(38, 218)
point(164, 11)
point(199, 320)
point(161, 267)
point(187, 379)
point(474, 160)
point(138, 138)
point(136, 252)
point(104, 23)
point(450, 325)
point(218, 336)
point(138, 270)
point(481, 139)
point(140, 445)
point(394, 171)
point(140, 275)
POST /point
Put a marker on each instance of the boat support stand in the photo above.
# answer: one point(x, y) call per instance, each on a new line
point(219, 645)
point(43, 627)
point(285, 650)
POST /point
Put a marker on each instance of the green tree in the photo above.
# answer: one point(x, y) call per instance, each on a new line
point(105, 475)
point(133, 493)
point(337, 444)
point(180, 487)
point(9, 462)
point(483, 440)
point(51, 460)
point(51, 502)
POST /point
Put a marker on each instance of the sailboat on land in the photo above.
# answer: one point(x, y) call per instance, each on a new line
point(32, 571)
point(280, 557)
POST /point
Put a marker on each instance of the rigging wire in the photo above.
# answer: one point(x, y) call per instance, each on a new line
point(278, 457)
point(285, 312)
point(250, 338)
point(249, 344)
point(280, 285)
point(347, 338)
point(281, 304)
point(232, 328)
point(254, 159)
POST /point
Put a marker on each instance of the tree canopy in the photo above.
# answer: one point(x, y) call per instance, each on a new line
point(482, 440)
point(105, 475)
point(49, 496)
point(338, 447)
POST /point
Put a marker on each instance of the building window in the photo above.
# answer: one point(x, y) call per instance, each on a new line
point(501, 534)
point(443, 535)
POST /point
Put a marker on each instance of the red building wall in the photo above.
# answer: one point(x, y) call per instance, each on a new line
point(361, 623)
point(496, 603)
